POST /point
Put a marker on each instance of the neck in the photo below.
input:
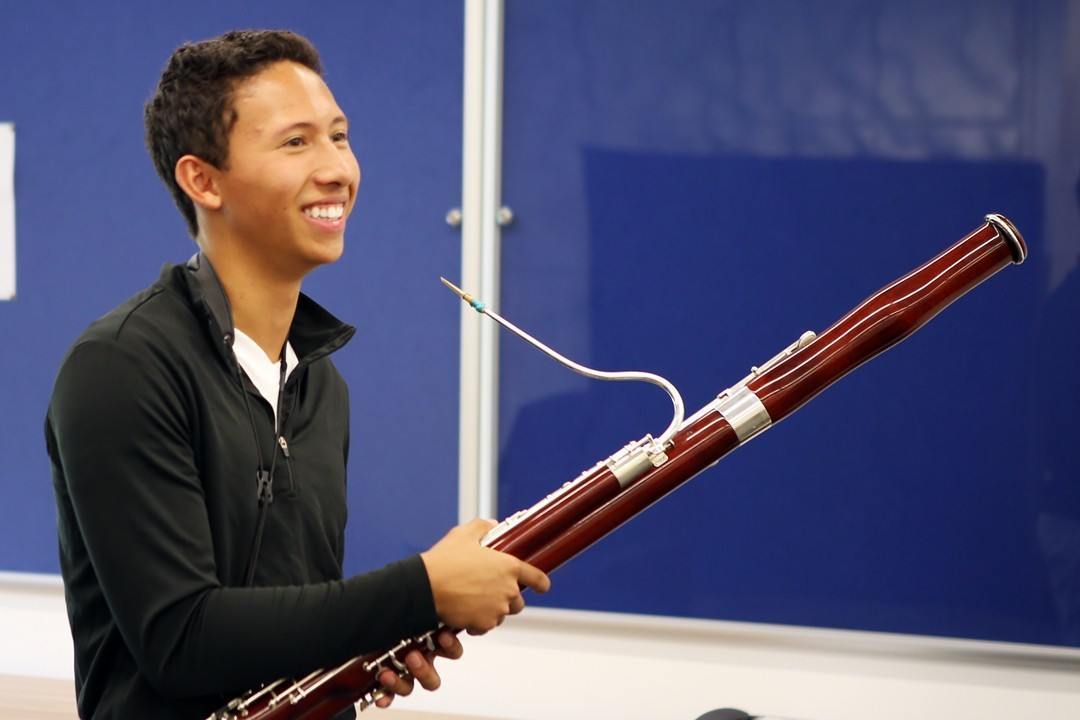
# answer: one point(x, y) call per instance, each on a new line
point(263, 302)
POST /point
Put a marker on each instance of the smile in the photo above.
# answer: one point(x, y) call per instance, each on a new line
point(332, 213)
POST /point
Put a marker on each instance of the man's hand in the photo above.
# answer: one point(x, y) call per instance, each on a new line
point(475, 587)
point(421, 667)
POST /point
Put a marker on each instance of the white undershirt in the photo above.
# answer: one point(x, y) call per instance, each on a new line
point(264, 373)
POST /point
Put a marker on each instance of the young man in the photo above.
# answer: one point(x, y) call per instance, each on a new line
point(199, 432)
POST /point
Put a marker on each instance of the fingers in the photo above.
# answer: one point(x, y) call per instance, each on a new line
point(488, 623)
point(532, 577)
point(449, 645)
point(423, 670)
point(476, 587)
point(393, 685)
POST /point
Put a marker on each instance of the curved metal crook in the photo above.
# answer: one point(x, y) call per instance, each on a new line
point(676, 399)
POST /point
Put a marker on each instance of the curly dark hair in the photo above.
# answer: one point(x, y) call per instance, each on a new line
point(191, 112)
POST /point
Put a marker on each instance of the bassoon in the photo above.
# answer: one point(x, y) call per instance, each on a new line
point(602, 498)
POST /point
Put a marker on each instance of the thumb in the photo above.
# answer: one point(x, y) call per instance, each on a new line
point(477, 528)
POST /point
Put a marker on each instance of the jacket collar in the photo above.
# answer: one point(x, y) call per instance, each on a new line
point(314, 333)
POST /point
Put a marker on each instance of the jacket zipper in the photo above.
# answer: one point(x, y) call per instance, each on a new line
point(265, 478)
point(288, 462)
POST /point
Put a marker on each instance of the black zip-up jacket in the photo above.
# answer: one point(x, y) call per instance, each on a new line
point(154, 462)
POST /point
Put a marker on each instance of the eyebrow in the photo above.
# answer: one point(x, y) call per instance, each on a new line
point(303, 125)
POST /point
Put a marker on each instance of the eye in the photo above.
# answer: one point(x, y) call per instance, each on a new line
point(340, 136)
point(294, 142)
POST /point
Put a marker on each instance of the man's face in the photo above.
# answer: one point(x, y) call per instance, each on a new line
point(292, 177)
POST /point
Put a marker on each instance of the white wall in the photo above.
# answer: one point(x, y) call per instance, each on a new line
point(560, 664)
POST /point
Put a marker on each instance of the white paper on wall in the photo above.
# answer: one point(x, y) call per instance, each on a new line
point(7, 211)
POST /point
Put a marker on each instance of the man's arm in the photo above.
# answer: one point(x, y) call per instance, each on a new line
point(121, 436)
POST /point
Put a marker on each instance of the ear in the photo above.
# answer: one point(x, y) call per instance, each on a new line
point(198, 179)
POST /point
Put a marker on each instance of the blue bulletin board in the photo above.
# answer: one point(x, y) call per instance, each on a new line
point(714, 181)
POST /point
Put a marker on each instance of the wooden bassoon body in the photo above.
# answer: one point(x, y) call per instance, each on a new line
point(619, 487)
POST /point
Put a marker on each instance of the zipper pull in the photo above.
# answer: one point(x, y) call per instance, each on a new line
point(266, 488)
point(284, 445)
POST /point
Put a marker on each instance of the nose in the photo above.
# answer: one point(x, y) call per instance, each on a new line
point(336, 165)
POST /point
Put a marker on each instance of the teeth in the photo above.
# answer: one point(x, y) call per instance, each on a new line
point(325, 212)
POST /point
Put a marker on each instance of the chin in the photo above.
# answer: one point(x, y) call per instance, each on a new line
point(329, 251)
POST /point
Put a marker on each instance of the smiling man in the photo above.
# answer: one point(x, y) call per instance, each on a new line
point(199, 432)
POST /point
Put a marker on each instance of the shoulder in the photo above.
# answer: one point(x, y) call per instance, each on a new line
point(157, 323)
point(157, 315)
point(142, 342)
